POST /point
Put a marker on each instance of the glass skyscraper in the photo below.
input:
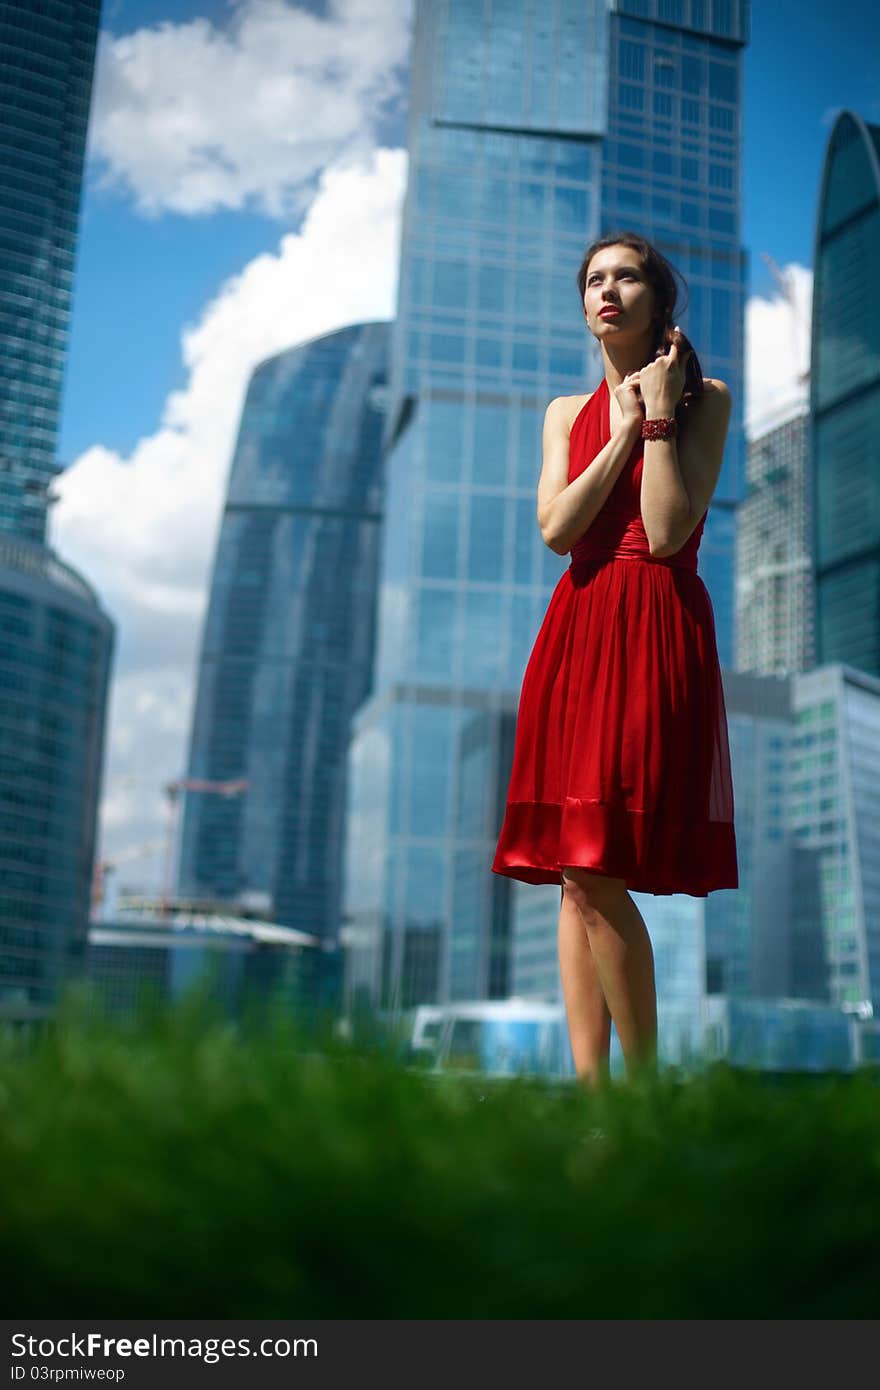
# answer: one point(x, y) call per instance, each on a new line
point(672, 167)
point(55, 641)
point(287, 647)
point(47, 51)
point(845, 398)
point(532, 130)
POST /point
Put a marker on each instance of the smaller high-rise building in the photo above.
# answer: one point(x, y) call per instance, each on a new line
point(56, 646)
point(774, 569)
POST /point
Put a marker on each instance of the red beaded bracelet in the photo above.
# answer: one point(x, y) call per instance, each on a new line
point(659, 429)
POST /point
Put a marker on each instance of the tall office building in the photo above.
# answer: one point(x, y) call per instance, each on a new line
point(845, 398)
point(532, 130)
point(287, 647)
point(47, 53)
point(55, 641)
point(672, 164)
point(774, 564)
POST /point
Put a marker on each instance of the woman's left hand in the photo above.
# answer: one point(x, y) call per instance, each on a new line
point(662, 381)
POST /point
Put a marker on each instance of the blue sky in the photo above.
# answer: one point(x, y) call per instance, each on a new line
point(138, 280)
point(239, 151)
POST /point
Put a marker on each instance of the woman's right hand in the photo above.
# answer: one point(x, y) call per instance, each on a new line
point(630, 404)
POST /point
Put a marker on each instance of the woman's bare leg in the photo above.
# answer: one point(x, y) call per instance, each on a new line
point(589, 1021)
point(624, 960)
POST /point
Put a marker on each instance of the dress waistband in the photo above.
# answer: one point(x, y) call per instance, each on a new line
point(582, 562)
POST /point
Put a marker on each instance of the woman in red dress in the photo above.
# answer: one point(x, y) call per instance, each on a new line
point(621, 771)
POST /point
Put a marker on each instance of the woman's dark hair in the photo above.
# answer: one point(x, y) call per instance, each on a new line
point(661, 277)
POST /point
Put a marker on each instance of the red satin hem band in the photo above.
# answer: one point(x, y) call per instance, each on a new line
point(538, 838)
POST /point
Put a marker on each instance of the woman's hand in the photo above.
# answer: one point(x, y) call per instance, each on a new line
point(662, 382)
point(627, 397)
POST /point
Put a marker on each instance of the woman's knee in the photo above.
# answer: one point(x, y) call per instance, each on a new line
point(592, 892)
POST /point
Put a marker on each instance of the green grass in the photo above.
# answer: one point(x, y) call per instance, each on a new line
point(186, 1166)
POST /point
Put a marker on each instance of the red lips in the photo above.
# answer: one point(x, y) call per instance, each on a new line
point(609, 310)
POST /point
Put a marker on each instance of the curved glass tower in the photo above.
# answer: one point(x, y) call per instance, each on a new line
point(47, 52)
point(287, 648)
point(845, 398)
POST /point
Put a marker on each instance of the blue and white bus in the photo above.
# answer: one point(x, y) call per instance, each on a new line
point(494, 1037)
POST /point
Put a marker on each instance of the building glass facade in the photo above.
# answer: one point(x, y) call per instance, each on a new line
point(517, 160)
point(55, 654)
point(47, 50)
point(775, 629)
point(287, 647)
point(672, 169)
point(805, 922)
point(845, 398)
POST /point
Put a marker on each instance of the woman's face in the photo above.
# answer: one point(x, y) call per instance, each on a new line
point(615, 279)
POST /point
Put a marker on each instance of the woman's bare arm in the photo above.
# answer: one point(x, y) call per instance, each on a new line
point(567, 510)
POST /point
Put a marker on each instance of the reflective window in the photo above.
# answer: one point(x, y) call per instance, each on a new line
point(531, 199)
point(486, 538)
point(566, 362)
point(525, 357)
point(432, 658)
point(631, 156)
point(573, 160)
point(571, 210)
point(496, 200)
point(444, 440)
point(483, 633)
point(722, 82)
point(491, 426)
point(491, 288)
point(529, 447)
point(523, 631)
point(430, 777)
point(691, 74)
point(488, 352)
point(564, 293)
point(525, 528)
point(447, 347)
point(722, 118)
point(631, 98)
point(450, 284)
point(526, 295)
point(440, 540)
point(631, 57)
point(457, 195)
point(425, 885)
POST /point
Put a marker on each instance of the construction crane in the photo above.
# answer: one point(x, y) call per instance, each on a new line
point(800, 329)
point(103, 867)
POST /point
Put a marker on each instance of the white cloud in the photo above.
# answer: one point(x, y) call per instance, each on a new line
point(143, 529)
point(777, 351)
point(192, 118)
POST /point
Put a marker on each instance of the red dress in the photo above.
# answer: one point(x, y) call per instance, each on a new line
point(621, 762)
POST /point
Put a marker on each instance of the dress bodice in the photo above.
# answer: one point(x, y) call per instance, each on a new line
point(617, 531)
